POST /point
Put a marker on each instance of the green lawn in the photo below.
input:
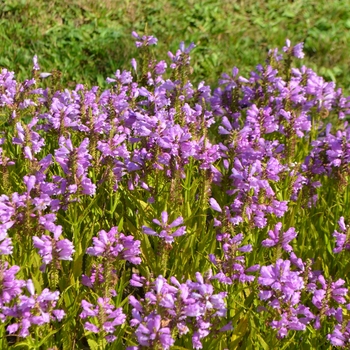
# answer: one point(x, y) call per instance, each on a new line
point(88, 40)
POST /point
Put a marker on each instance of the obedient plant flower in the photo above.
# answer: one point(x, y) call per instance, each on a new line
point(134, 64)
point(96, 279)
point(6, 246)
point(30, 140)
point(248, 138)
point(292, 320)
point(53, 249)
point(282, 287)
point(151, 333)
point(9, 85)
point(280, 239)
point(233, 266)
point(10, 286)
point(35, 310)
point(215, 205)
point(35, 63)
point(181, 56)
point(340, 335)
point(104, 317)
point(166, 232)
point(75, 163)
point(181, 307)
point(116, 245)
point(144, 40)
point(123, 78)
point(296, 50)
point(113, 248)
point(329, 290)
point(282, 283)
point(342, 238)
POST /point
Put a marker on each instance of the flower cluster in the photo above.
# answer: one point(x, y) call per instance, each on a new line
point(166, 229)
point(281, 239)
point(342, 239)
point(282, 287)
point(105, 315)
point(170, 310)
point(112, 248)
point(26, 311)
point(115, 245)
point(53, 249)
point(75, 163)
point(255, 148)
point(232, 267)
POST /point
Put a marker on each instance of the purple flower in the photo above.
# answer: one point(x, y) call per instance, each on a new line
point(340, 335)
point(281, 279)
point(29, 139)
point(342, 240)
point(297, 50)
point(6, 247)
point(144, 40)
point(53, 248)
point(233, 266)
point(335, 290)
point(75, 163)
point(134, 64)
point(277, 238)
point(35, 63)
point(288, 321)
point(214, 205)
point(33, 310)
point(151, 333)
point(115, 244)
point(166, 232)
point(109, 317)
point(182, 305)
point(10, 286)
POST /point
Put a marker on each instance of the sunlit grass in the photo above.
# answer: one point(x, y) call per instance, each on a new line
point(88, 40)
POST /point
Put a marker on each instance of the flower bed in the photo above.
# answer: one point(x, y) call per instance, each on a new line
point(158, 215)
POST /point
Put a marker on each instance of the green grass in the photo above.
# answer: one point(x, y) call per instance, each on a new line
point(88, 40)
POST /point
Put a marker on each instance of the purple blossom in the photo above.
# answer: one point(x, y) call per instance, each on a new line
point(115, 244)
point(6, 247)
point(151, 333)
point(214, 205)
point(35, 63)
point(278, 238)
point(75, 163)
point(33, 310)
point(53, 248)
point(134, 64)
point(166, 229)
point(182, 305)
point(342, 240)
point(329, 290)
point(233, 266)
point(10, 286)
point(144, 40)
point(340, 335)
point(112, 317)
point(29, 139)
point(296, 50)
point(289, 321)
point(280, 279)
point(131, 134)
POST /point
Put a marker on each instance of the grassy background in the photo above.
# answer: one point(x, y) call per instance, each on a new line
point(87, 40)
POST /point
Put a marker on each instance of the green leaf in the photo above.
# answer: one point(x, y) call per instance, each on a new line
point(21, 344)
point(262, 342)
point(42, 342)
point(239, 332)
point(93, 344)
